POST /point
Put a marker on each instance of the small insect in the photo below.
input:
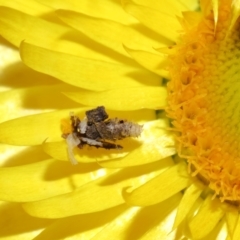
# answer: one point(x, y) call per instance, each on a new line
point(98, 131)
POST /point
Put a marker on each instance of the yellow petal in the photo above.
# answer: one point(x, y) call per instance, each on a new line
point(97, 195)
point(43, 179)
point(15, 103)
point(110, 9)
point(190, 4)
point(91, 197)
point(163, 215)
point(235, 13)
point(81, 72)
point(16, 26)
point(91, 224)
point(35, 129)
point(150, 150)
point(170, 7)
point(12, 156)
point(135, 219)
point(211, 213)
point(18, 224)
point(236, 235)
point(161, 187)
point(206, 6)
point(118, 226)
point(9, 57)
point(232, 219)
point(192, 18)
point(153, 62)
point(164, 24)
point(34, 30)
point(19, 76)
point(188, 200)
point(99, 29)
point(215, 11)
point(26, 6)
point(219, 232)
point(124, 99)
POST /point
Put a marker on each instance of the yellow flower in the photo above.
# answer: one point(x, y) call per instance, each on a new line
point(76, 55)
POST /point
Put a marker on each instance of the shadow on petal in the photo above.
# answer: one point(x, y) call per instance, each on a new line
point(14, 221)
point(153, 217)
point(18, 75)
point(136, 171)
point(59, 170)
point(26, 155)
point(77, 37)
point(76, 225)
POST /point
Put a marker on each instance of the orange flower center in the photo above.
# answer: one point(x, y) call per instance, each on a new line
point(204, 101)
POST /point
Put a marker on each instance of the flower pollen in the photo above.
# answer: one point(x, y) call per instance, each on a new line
point(203, 101)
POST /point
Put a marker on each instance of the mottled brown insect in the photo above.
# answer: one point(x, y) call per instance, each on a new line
point(98, 131)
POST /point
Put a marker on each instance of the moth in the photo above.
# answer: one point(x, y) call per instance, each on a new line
point(99, 131)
